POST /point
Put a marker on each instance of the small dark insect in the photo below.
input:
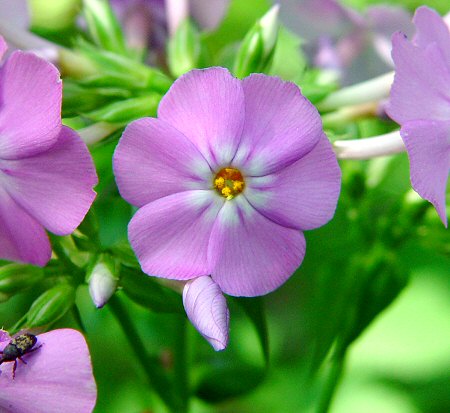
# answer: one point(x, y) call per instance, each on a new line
point(18, 347)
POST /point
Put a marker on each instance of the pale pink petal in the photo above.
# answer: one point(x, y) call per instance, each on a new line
point(208, 14)
point(280, 127)
point(207, 309)
point(303, 195)
point(55, 186)
point(428, 147)
point(30, 105)
point(431, 28)
point(57, 377)
point(22, 238)
point(153, 160)
point(170, 235)
point(249, 254)
point(207, 106)
point(4, 336)
point(420, 89)
point(3, 47)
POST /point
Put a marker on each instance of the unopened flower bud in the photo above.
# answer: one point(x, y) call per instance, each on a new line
point(257, 49)
point(183, 49)
point(207, 309)
point(103, 281)
point(15, 278)
point(51, 306)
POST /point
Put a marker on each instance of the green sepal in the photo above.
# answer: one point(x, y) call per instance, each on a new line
point(50, 306)
point(183, 49)
point(125, 111)
point(103, 26)
point(145, 291)
point(15, 278)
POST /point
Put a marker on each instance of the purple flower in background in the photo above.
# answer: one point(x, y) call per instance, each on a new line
point(226, 180)
point(207, 309)
point(147, 22)
point(355, 45)
point(57, 377)
point(420, 103)
point(46, 171)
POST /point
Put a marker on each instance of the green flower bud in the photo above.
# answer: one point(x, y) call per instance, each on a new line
point(15, 278)
point(103, 26)
point(256, 51)
point(103, 280)
point(53, 15)
point(183, 49)
point(50, 306)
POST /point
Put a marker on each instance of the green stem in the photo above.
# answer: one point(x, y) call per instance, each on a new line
point(331, 383)
point(181, 363)
point(151, 365)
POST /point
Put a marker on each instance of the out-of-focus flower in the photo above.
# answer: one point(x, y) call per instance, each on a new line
point(147, 23)
point(356, 46)
point(420, 103)
point(46, 171)
point(207, 309)
point(57, 377)
point(226, 179)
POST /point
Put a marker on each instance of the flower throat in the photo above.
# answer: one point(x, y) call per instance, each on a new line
point(229, 182)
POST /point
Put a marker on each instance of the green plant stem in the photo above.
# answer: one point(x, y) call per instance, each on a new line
point(331, 383)
point(150, 364)
point(181, 363)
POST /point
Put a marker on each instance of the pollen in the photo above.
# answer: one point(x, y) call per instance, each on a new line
point(229, 182)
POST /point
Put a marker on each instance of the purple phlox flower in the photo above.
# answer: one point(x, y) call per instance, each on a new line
point(226, 179)
point(46, 171)
point(420, 103)
point(57, 377)
point(207, 309)
point(356, 46)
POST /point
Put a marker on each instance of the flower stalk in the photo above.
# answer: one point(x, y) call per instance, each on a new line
point(383, 145)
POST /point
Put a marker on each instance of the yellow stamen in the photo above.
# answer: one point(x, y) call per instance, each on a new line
point(229, 182)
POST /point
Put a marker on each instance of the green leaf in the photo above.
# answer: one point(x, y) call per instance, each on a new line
point(228, 382)
point(255, 310)
point(143, 290)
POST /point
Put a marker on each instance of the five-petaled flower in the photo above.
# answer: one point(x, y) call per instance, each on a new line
point(46, 171)
point(420, 103)
point(57, 377)
point(227, 178)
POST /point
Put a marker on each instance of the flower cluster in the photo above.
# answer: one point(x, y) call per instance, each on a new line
point(46, 171)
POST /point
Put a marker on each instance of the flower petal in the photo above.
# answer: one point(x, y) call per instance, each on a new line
point(303, 195)
point(420, 89)
point(4, 336)
point(170, 235)
point(208, 14)
point(22, 238)
point(55, 186)
point(428, 147)
point(431, 28)
point(207, 310)
point(251, 255)
point(207, 106)
point(3, 47)
point(280, 127)
point(30, 100)
point(57, 377)
point(153, 160)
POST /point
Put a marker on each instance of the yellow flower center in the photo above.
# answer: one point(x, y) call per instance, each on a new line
point(229, 182)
